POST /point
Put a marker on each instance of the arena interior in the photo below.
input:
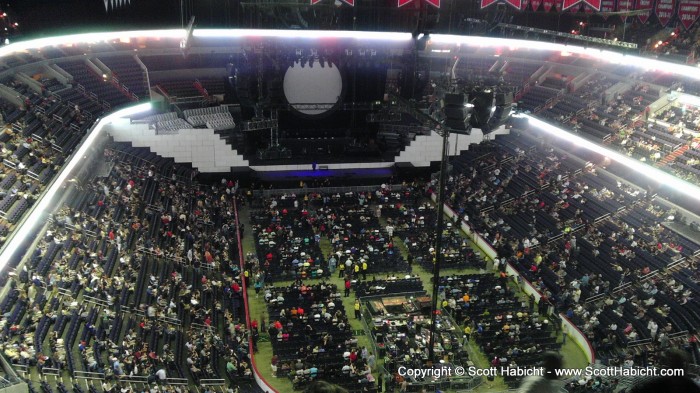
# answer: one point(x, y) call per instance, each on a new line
point(251, 196)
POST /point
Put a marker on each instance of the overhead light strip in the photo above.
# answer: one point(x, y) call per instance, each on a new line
point(649, 171)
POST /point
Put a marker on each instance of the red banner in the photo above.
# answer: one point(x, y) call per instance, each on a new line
point(525, 4)
point(404, 2)
point(349, 2)
point(688, 12)
point(644, 5)
point(517, 4)
point(434, 3)
point(624, 6)
point(607, 6)
point(569, 5)
point(664, 10)
point(557, 5)
point(535, 4)
point(588, 9)
point(486, 3)
point(595, 4)
point(548, 4)
point(315, 2)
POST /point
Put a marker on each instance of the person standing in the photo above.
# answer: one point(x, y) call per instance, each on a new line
point(348, 284)
point(357, 309)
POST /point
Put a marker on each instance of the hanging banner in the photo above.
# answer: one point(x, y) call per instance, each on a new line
point(570, 5)
point(525, 4)
point(486, 3)
point(535, 4)
point(404, 2)
point(595, 4)
point(349, 2)
point(547, 4)
point(588, 9)
point(607, 6)
point(557, 5)
point(315, 2)
point(624, 6)
point(644, 5)
point(664, 11)
point(434, 3)
point(688, 12)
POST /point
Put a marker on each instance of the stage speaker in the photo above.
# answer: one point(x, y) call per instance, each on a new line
point(457, 112)
point(483, 102)
point(503, 99)
point(455, 99)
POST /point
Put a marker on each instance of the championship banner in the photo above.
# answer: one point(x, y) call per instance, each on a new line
point(349, 2)
point(588, 9)
point(548, 4)
point(595, 4)
point(525, 4)
point(569, 5)
point(315, 2)
point(403, 2)
point(434, 3)
point(535, 4)
point(688, 12)
point(557, 5)
point(607, 6)
point(518, 4)
point(644, 5)
point(664, 11)
point(624, 6)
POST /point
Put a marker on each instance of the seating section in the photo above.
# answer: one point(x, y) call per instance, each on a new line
point(218, 117)
point(172, 126)
point(537, 97)
point(94, 84)
point(510, 332)
point(415, 227)
point(577, 234)
point(128, 72)
point(311, 338)
point(132, 276)
point(286, 243)
point(180, 89)
point(36, 141)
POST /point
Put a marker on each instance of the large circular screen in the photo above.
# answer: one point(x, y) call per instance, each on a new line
point(313, 85)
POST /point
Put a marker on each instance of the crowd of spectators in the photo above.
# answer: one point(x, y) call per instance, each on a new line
point(312, 339)
point(576, 234)
point(136, 277)
point(35, 141)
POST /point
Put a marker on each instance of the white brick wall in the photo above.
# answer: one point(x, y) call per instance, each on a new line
point(202, 147)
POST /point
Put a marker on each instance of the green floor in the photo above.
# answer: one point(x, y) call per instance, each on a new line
point(572, 354)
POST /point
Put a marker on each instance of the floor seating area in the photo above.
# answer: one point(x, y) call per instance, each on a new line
point(415, 227)
point(509, 331)
point(311, 338)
